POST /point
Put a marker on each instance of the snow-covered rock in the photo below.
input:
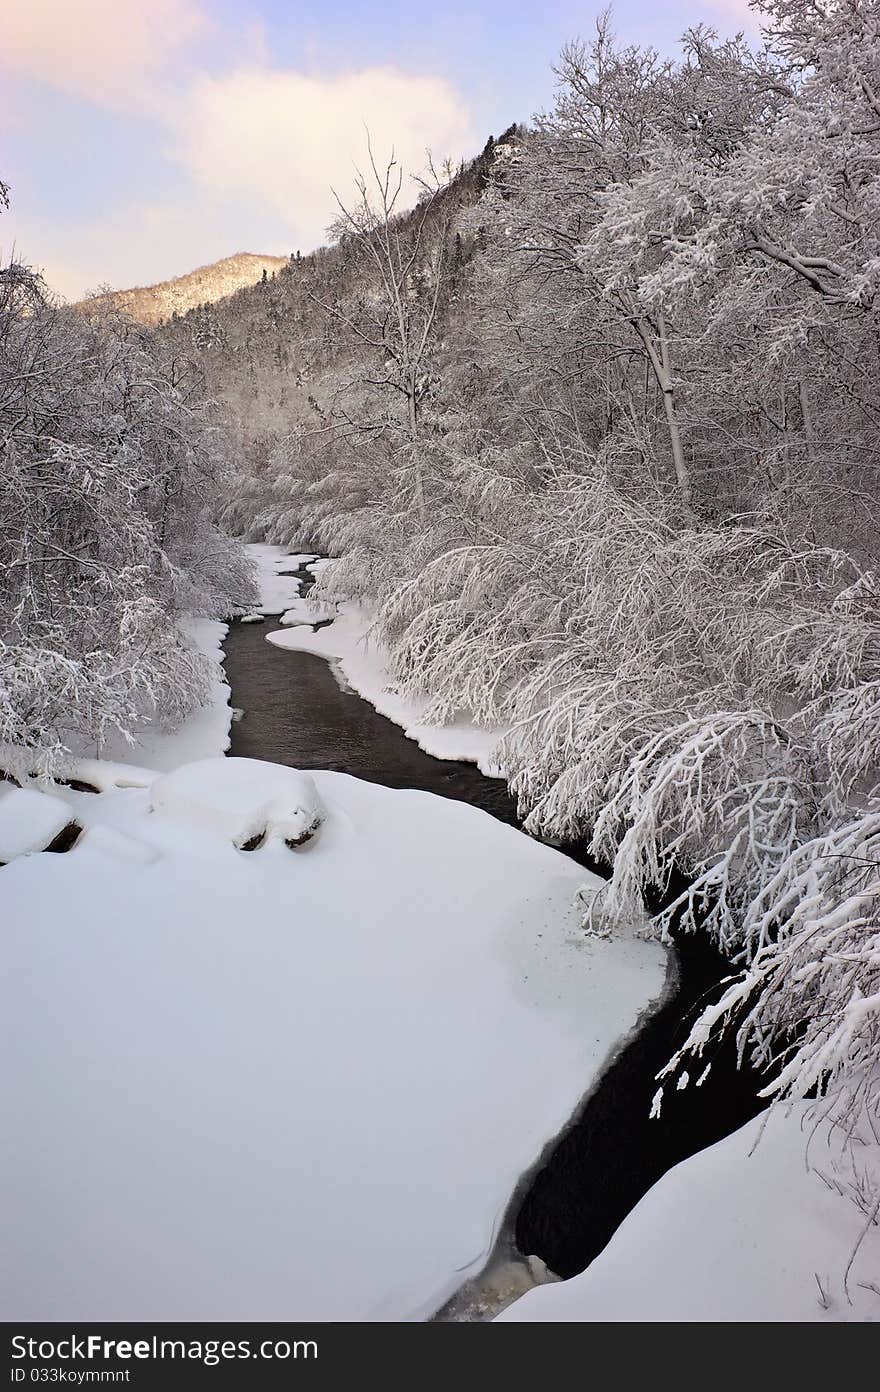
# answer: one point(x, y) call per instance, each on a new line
point(244, 800)
point(308, 612)
point(285, 1086)
point(29, 820)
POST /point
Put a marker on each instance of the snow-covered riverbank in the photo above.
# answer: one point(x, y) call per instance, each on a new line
point(300, 1083)
point(360, 660)
point(760, 1227)
point(286, 1083)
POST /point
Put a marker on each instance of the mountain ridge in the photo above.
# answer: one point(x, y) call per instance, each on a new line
point(153, 304)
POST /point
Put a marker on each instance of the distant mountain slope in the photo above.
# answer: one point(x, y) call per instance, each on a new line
point(151, 304)
point(279, 361)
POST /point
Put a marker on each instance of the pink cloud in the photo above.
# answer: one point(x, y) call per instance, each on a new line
point(284, 138)
point(109, 52)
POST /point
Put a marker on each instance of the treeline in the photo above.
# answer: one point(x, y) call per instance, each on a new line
point(109, 469)
point(637, 520)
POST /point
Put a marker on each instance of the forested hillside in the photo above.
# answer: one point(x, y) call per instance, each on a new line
point(287, 355)
point(593, 432)
point(151, 304)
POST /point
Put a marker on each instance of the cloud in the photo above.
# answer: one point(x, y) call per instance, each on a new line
point(260, 150)
point(284, 138)
point(252, 150)
point(110, 52)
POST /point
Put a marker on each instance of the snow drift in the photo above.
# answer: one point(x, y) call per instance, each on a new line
point(285, 1085)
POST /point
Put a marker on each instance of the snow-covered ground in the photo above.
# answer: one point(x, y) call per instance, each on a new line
point(302, 1080)
point(740, 1232)
point(284, 1083)
point(362, 663)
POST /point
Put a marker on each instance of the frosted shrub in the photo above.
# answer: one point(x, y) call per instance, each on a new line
point(807, 1006)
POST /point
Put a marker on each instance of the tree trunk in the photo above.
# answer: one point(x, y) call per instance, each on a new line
point(412, 413)
point(807, 418)
point(662, 365)
point(682, 472)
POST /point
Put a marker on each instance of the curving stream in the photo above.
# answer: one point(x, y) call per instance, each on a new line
point(588, 1180)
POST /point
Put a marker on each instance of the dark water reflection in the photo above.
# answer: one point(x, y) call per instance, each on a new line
point(296, 713)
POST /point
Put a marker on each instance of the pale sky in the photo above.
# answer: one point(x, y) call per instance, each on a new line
point(142, 138)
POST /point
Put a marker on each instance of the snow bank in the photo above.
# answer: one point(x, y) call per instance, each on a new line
point(317, 565)
point(204, 733)
point(277, 592)
point(29, 820)
point(734, 1233)
point(242, 799)
point(362, 663)
point(307, 611)
point(285, 1086)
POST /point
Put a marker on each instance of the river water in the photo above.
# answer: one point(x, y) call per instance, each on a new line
point(566, 1209)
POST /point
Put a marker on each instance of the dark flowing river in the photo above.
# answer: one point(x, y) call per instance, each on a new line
point(296, 713)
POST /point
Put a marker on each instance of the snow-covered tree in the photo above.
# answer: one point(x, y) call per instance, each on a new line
point(644, 537)
point(105, 530)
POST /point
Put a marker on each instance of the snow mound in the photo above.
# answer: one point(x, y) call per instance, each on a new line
point(252, 618)
point(246, 800)
point(307, 611)
point(99, 774)
point(29, 821)
point(106, 776)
